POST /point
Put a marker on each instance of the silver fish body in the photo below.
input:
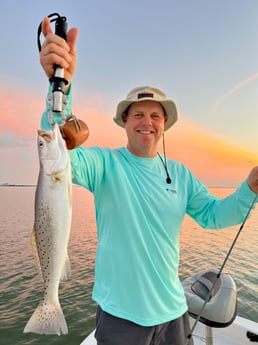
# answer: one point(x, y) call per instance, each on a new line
point(50, 236)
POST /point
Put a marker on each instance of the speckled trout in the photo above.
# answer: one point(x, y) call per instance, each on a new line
point(50, 236)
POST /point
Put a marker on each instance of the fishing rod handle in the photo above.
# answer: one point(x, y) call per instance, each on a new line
point(61, 27)
point(58, 81)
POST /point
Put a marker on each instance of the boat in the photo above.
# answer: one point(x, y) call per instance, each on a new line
point(212, 303)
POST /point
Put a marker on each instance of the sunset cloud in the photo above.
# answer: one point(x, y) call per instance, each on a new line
point(210, 157)
point(20, 111)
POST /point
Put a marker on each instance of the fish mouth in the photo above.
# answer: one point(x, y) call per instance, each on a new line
point(47, 136)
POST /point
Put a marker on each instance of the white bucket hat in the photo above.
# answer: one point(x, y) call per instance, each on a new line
point(147, 93)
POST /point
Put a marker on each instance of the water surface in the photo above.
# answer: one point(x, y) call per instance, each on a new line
point(21, 285)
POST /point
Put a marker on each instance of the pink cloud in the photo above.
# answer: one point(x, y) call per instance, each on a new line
point(208, 156)
point(20, 112)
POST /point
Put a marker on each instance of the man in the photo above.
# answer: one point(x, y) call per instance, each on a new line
point(141, 198)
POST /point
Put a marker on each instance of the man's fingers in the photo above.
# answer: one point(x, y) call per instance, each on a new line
point(72, 38)
point(57, 51)
point(46, 27)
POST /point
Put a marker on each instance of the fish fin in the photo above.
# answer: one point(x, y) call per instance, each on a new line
point(47, 319)
point(66, 269)
point(35, 250)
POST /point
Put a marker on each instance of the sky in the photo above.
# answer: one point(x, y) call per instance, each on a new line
point(202, 53)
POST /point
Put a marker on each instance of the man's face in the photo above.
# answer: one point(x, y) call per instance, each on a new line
point(144, 125)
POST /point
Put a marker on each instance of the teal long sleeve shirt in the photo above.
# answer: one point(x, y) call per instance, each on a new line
point(138, 218)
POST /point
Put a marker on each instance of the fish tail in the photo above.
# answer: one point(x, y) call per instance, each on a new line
point(47, 319)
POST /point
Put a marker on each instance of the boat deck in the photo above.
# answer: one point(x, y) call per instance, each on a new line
point(235, 334)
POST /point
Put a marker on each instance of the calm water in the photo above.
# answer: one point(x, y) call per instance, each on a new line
point(21, 287)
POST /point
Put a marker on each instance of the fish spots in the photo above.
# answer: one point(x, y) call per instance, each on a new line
point(48, 318)
point(44, 240)
point(48, 313)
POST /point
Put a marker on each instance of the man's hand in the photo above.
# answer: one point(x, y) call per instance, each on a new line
point(56, 51)
point(252, 179)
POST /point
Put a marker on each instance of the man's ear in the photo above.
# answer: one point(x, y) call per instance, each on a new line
point(124, 117)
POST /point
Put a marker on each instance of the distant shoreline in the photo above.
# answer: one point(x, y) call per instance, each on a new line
point(17, 185)
point(34, 185)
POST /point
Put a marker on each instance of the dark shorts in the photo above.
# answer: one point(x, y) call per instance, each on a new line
point(111, 330)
